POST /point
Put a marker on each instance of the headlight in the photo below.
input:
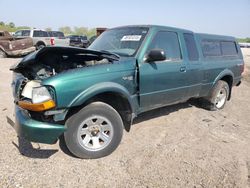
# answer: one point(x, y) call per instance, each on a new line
point(40, 94)
point(40, 98)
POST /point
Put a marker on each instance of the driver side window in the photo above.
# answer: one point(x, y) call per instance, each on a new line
point(168, 42)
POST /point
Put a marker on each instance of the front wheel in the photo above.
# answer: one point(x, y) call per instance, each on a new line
point(2, 54)
point(94, 132)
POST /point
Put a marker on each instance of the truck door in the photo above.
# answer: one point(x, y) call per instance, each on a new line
point(163, 82)
point(194, 68)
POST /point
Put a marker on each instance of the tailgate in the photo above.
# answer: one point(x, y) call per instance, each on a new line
point(61, 41)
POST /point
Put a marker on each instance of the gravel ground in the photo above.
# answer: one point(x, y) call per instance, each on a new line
point(177, 146)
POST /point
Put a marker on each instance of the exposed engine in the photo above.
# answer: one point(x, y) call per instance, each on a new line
point(52, 64)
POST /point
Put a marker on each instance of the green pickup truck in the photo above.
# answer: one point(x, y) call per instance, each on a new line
point(89, 96)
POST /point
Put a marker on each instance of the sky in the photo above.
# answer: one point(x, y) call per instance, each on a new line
point(225, 17)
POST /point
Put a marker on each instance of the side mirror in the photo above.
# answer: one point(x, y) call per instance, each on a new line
point(155, 55)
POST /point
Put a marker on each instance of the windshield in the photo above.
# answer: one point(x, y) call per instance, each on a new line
point(122, 41)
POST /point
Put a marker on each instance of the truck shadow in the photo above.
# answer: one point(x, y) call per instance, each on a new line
point(26, 149)
point(165, 111)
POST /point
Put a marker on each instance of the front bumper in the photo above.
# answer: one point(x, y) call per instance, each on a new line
point(36, 131)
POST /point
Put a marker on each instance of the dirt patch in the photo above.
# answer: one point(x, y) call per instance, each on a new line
point(246, 73)
point(176, 146)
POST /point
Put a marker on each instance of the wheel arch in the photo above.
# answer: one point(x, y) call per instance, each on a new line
point(113, 94)
point(40, 42)
point(227, 76)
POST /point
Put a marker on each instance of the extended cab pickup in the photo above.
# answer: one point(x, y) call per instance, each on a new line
point(89, 96)
point(14, 47)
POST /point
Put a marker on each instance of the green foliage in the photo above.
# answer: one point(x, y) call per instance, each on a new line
point(48, 29)
point(244, 40)
point(78, 31)
point(66, 30)
point(89, 32)
point(12, 25)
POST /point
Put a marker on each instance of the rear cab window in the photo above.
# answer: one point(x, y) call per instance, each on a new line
point(228, 48)
point(167, 41)
point(219, 48)
point(56, 34)
point(38, 33)
point(193, 54)
point(211, 48)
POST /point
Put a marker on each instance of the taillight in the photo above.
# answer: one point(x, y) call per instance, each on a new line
point(52, 41)
point(10, 46)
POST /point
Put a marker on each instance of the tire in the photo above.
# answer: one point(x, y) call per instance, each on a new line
point(218, 97)
point(94, 132)
point(2, 54)
point(40, 46)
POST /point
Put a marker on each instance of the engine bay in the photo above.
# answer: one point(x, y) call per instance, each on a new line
point(52, 64)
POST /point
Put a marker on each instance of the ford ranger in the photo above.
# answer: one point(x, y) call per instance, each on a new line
point(89, 96)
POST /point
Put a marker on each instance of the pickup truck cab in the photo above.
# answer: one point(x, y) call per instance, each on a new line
point(89, 96)
point(10, 46)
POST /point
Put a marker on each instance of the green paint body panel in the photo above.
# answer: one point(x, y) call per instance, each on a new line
point(36, 131)
point(74, 87)
point(153, 85)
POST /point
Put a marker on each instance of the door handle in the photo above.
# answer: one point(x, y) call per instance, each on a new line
point(183, 69)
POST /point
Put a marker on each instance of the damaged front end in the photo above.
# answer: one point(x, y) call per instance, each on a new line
point(36, 102)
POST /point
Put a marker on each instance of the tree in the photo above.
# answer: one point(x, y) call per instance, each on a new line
point(91, 32)
point(12, 25)
point(80, 30)
point(2, 23)
point(66, 30)
point(48, 29)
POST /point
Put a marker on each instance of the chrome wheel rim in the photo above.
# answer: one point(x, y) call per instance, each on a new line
point(95, 133)
point(221, 98)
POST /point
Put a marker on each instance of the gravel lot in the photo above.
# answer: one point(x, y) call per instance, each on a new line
point(177, 146)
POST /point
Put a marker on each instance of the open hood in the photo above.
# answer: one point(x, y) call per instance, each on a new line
point(33, 57)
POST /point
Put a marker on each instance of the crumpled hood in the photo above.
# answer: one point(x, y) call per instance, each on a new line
point(33, 57)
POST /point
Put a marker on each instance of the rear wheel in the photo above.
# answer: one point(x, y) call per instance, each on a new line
point(40, 46)
point(2, 54)
point(94, 132)
point(218, 96)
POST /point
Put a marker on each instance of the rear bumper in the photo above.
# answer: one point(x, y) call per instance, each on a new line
point(21, 52)
point(76, 44)
point(36, 131)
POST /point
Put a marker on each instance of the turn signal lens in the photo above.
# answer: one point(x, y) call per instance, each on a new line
point(38, 106)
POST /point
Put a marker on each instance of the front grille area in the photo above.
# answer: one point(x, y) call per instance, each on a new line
point(20, 88)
